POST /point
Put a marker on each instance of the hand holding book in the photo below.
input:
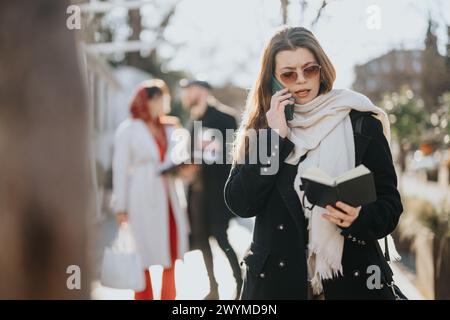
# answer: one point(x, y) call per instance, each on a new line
point(342, 196)
point(354, 187)
point(343, 217)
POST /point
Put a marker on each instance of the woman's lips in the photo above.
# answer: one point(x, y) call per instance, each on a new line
point(302, 93)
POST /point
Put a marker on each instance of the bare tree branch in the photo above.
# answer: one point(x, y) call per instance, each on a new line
point(319, 12)
point(134, 58)
point(284, 10)
point(303, 7)
point(165, 22)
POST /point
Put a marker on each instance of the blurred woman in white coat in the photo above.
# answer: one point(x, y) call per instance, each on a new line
point(153, 204)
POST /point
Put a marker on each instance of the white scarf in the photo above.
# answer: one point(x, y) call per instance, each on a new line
point(323, 127)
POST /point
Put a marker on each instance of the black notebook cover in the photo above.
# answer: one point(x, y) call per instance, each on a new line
point(355, 192)
point(172, 168)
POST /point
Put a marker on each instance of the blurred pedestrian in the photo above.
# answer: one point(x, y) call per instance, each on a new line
point(208, 214)
point(152, 203)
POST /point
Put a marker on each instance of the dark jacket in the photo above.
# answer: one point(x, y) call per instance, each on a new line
point(207, 209)
point(276, 260)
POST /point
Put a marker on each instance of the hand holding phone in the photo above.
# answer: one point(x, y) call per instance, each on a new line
point(276, 115)
point(289, 109)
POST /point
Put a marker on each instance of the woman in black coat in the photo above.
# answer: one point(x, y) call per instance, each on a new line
point(283, 260)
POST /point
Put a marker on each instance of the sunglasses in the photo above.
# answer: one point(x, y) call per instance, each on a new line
point(309, 72)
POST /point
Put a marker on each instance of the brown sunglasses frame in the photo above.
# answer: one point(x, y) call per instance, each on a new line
point(288, 82)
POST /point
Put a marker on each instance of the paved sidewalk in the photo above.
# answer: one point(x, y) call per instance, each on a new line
point(405, 281)
point(189, 287)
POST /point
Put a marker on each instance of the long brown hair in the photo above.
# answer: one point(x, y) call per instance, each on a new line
point(258, 100)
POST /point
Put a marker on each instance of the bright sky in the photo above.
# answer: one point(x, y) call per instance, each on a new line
point(222, 39)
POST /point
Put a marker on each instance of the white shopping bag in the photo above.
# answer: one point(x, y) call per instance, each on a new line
point(121, 267)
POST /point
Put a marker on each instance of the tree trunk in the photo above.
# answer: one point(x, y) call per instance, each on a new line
point(134, 19)
point(45, 189)
point(403, 152)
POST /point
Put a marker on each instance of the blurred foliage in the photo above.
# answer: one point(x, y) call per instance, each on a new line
point(420, 214)
point(414, 126)
point(407, 116)
point(440, 118)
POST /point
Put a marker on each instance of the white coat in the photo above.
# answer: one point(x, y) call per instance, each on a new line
point(140, 190)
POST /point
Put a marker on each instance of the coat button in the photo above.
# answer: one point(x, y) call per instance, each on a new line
point(280, 227)
point(276, 146)
point(262, 275)
point(356, 273)
point(354, 239)
point(265, 169)
point(363, 243)
point(282, 264)
point(349, 236)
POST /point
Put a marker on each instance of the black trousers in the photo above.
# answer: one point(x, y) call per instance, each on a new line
point(200, 241)
point(204, 227)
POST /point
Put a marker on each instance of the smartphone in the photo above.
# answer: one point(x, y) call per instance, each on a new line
point(289, 109)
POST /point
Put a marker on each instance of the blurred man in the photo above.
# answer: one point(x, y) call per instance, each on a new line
point(208, 213)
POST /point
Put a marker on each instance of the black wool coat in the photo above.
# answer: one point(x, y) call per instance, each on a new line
point(276, 260)
point(206, 206)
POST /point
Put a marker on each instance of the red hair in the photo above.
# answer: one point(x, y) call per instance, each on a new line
point(139, 109)
point(146, 91)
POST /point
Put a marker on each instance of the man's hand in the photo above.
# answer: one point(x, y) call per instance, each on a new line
point(121, 217)
point(188, 172)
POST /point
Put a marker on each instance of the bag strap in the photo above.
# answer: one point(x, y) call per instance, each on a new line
point(386, 249)
point(358, 118)
point(359, 123)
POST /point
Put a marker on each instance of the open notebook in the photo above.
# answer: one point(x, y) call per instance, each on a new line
point(355, 187)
